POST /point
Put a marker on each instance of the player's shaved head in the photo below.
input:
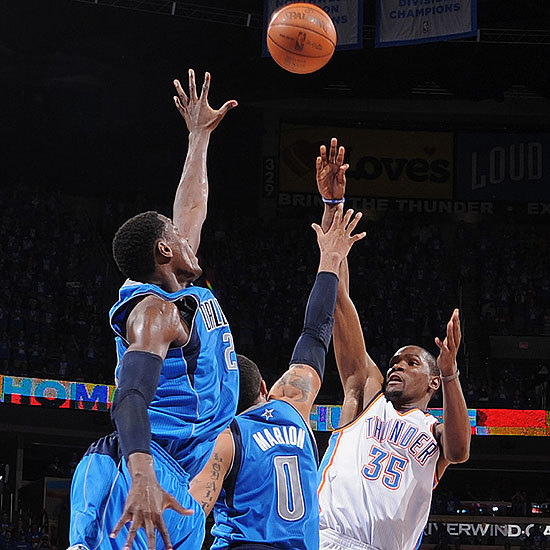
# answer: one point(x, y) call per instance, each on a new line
point(250, 383)
point(134, 245)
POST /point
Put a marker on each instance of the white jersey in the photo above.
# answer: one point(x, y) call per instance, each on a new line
point(377, 477)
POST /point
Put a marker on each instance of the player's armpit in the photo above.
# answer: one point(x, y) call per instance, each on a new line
point(299, 385)
point(206, 486)
point(154, 325)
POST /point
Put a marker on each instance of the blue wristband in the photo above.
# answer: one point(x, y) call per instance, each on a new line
point(334, 201)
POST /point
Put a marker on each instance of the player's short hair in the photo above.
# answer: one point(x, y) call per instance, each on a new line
point(134, 245)
point(250, 383)
point(432, 362)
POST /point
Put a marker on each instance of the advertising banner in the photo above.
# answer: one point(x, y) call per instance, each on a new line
point(347, 16)
point(402, 22)
point(383, 163)
point(503, 166)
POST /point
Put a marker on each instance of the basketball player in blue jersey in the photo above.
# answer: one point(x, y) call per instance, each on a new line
point(177, 374)
point(262, 476)
point(388, 453)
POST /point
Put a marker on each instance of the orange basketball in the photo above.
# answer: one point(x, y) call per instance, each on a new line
point(301, 37)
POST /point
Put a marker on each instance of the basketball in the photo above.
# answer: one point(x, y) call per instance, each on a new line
point(301, 38)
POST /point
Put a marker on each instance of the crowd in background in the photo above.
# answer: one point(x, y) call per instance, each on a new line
point(58, 281)
point(22, 534)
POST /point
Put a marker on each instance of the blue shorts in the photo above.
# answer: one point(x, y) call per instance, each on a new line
point(98, 493)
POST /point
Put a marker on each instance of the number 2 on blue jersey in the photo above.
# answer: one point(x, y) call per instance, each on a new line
point(231, 363)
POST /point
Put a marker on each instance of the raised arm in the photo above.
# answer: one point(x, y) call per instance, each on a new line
point(190, 203)
point(361, 379)
point(151, 327)
point(301, 383)
point(455, 433)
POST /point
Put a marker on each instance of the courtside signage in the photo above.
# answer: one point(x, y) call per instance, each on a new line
point(403, 22)
point(61, 394)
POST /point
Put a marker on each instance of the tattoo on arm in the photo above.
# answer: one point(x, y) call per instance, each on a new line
point(209, 495)
point(298, 381)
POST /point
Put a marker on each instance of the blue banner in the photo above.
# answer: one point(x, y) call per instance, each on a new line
point(347, 16)
point(502, 166)
point(402, 22)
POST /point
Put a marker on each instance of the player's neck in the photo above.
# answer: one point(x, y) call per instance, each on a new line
point(404, 406)
point(168, 281)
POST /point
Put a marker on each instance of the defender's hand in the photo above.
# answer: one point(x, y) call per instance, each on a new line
point(448, 349)
point(145, 503)
point(338, 240)
point(196, 111)
point(331, 172)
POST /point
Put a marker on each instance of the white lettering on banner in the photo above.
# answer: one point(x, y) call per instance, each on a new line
point(538, 208)
point(415, 21)
point(305, 200)
point(516, 162)
point(510, 530)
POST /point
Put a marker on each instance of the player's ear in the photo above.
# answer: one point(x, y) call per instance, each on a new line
point(163, 252)
point(435, 383)
point(263, 389)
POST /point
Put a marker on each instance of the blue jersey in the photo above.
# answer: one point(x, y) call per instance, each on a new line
point(198, 389)
point(270, 493)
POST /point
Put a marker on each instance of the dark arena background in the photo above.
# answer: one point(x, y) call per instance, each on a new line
point(449, 152)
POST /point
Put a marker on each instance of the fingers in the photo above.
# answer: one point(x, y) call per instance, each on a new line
point(358, 237)
point(323, 152)
point(317, 230)
point(182, 95)
point(318, 165)
point(456, 328)
point(337, 219)
point(131, 536)
point(192, 86)
point(150, 531)
point(124, 519)
point(347, 217)
point(227, 106)
point(161, 527)
point(175, 505)
point(351, 226)
point(205, 87)
point(179, 105)
point(333, 147)
point(442, 345)
point(340, 156)
point(450, 336)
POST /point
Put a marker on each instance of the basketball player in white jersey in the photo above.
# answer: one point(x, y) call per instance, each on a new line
point(377, 476)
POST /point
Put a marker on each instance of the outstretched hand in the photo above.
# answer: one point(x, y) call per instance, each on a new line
point(196, 111)
point(331, 171)
point(338, 240)
point(448, 349)
point(145, 503)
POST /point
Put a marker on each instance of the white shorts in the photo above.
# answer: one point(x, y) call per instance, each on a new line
point(331, 540)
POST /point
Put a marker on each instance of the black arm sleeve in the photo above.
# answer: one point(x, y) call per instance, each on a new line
point(137, 383)
point(312, 346)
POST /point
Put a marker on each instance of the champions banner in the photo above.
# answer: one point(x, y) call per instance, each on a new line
point(383, 163)
point(402, 22)
point(503, 166)
point(347, 16)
